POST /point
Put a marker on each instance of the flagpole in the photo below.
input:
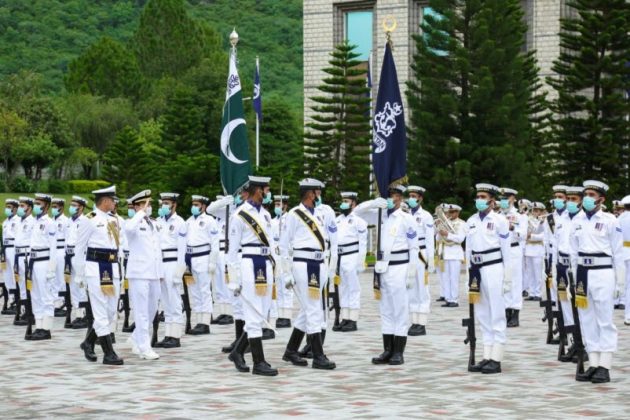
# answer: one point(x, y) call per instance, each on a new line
point(257, 125)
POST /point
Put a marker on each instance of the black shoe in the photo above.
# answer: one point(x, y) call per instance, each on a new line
point(478, 366)
point(200, 329)
point(416, 330)
point(60, 312)
point(453, 305)
point(307, 351)
point(215, 321)
point(291, 353)
point(225, 319)
point(320, 361)
point(268, 334)
point(340, 325)
point(601, 375)
point(491, 367)
point(622, 307)
point(110, 357)
point(79, 323)
point(587, 375)
point(160, 344)
point(388, 346)
point(236, 356)
point(399, 349)
point(349, 327)
point(568, 356)
point(514, 321)
point(171, 343)
point(445, 305)
point(525, 294)
point(130, 328)
point(283, 323)
point(508, 315)
point(11, 310)
point(536, 298)
point(440, 299)
point(261, 367)
point(88, 346)
point(39, 334)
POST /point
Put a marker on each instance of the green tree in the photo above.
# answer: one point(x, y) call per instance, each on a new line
point(37, 152)
point(12, 132)
point(592, 76)
point(473, 101)
point(107, 68)
point(337, 140)
point(86, 158)
point(125, 163)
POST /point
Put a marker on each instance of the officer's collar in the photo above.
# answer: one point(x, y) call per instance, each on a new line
point(590, 214)
point(254, 204)
point(310, 209)
point(392, 211)
point(560, 211)
point(484, 214)
point(76, 216)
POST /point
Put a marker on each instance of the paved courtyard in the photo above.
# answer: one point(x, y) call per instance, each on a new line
point(52, 379)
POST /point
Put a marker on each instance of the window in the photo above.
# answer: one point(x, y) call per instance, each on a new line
point(359, 32)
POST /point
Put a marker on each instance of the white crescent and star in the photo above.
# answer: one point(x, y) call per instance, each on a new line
point(225, 140)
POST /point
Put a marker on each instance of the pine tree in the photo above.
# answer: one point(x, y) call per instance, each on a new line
point(473, 102)
point(125, 162)
point(337, 140)
point(591, 129)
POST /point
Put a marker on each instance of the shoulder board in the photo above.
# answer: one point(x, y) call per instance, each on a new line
point(91, 214)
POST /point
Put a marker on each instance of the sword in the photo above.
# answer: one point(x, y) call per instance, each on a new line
point(237, 292)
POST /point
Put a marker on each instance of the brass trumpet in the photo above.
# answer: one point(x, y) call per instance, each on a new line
point(443, 220)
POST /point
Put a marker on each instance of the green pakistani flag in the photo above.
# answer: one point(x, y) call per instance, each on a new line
point(235, 163)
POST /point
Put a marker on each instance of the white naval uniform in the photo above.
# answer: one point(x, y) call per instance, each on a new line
point(399, 247)
point(596, 241)
point(453, 255)
point(561, 256)
point(144, 271)
point(23, 249)
point(299, 243)
point(43, 257)
point(77, 293)
point(61, 222)
point(624, 223)
point(222, 297)
point(518, 236)
point(283, 305)
point(173, 248)
point(352, 238)
point(550, 247)
point(9, 228)
point(419, 296)
point(202, 241)
point(491, 235)
point(534, 260)
point(243, 238)
point(94, 234)
point(328, 216)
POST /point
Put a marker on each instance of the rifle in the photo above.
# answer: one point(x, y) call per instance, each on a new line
point(156, 325)
point(186, 302)
point(123, 306)
point(549, 313)
point(67, 297)
point(471, 338)
point(562, 329)
point(575, 329)
point(16, 293)
point(5, 291)
point(30, 318)
point(5, 297)
point(89, 315)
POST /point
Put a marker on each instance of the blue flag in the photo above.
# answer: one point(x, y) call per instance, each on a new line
point(257, 94)
point(389, 138)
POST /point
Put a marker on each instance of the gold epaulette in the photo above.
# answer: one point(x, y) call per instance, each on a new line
point(91, 214)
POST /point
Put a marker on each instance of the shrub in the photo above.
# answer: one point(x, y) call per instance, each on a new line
point(22, 184)
point(86, 186)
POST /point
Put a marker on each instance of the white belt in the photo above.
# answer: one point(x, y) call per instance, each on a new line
point(21, 249)
point(256, 250)
point(37, 254)
point(8, 241)
point(594, 261)
point(307, 255)
point(197, 249)
point(564, 261)
point(169, 253)
point(484, 258)
point(398, 256)
point(348, 249)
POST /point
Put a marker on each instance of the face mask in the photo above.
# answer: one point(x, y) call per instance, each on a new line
point(267, 198)
point(8, 212)
point(344, 206)
point(165, 209)
point(390, 203)
point(413, 203)
point(238, 200)
point(481, 204)
point(572, 207)
point(21, 212)
point(131, 212)
point(505, 203)
point(318, 201)
point(558, 203)
point(72, 210)
point(37, 209)
point(55, 212)
point(195, 211)
point(589, 203)
point(277, 211)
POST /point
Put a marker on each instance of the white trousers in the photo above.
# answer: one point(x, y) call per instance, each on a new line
point(598, 329)
point(22, 277)
point(450, 275)
point(443, 278)
point(419, 297)
point(349, 288)
point(394, 301)
point(9, 274)
point(255, 305)
point(43, 291)
point(627, 295)
point(200, 293)
point(144, 294)
point(514, 298)
point(170, 296)
point(220, 290)
point(311, 317)
point(284, 298)
point(59, 274)
point(77, 293)
point(490, 311)
point(534, 275)
point(104, 308)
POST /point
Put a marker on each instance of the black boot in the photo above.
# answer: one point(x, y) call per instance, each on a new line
point(88, 345)
point(399, 348)
point(508, 315)
point(416, 330)
point(491, 367)
point(587, 375)
point(479, 366)
point(601, 375)
point(110, 357)
point(320, 361)
point(283, 323)
point(39, 334)
point(349, 326)
point(291, 353)
point(261, 367)
point(171, 343)
point(79, 323)
point(388, 346)
point(568, 356)
point(238, 329)
point(225, 319)
point(307, 351)
point(268, 334)
point(513, 322)
point(236, 356)
point(200, 329)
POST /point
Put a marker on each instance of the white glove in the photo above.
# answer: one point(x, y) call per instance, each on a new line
point(235, 288)
point(220, 204)
point(332, 266)
point(431, 265)
point(620, 286)
point(289, 281)
point(178, 274)
point(412, 272)
point(379, 203)
point(236, 278)
point(79, 281)
point(507, 280)
point(361, 264)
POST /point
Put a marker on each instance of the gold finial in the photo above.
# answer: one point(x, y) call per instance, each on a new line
point(389, 25)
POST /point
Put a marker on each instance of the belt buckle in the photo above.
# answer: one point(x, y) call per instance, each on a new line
point(588, 261)
point(264, 251)
point(477, 259)
point(318, 255)
point(340, 250)
point(189, 250)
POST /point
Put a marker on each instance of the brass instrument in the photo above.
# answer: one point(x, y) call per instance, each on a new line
point(443, 220)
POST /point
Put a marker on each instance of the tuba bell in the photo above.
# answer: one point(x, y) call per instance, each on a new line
point(443, 220)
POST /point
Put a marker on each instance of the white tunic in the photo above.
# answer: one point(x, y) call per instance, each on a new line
point(488, 233)
point(599, 233)
point(170, 237)
point(425, 232)
point(43, 235)
point(95, 233)
point(453, 245)
point(145, 253)
point(200, 231)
